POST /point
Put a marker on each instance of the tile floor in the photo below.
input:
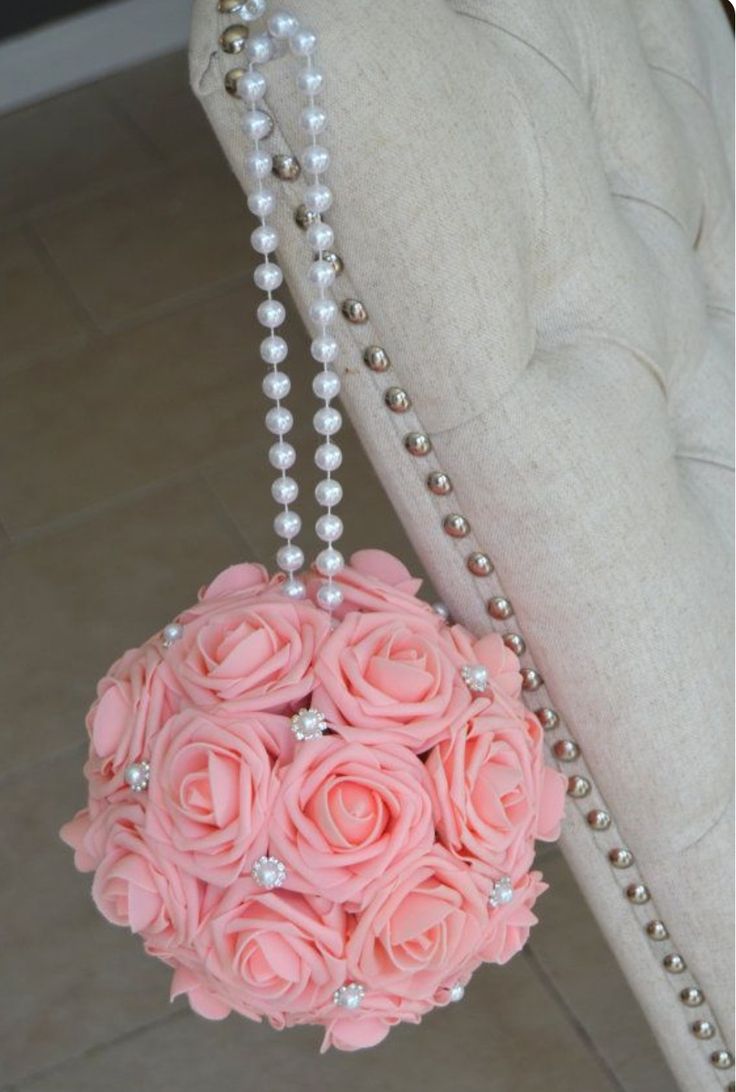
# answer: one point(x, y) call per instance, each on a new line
point(131, 468)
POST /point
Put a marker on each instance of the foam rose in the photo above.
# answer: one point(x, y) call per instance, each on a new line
point(388, 678)
point(502, 664)
point(349, 816)
point(493, 795)
point(509, 925)
point(254, 654)
point(375, 580)
point(215, 780)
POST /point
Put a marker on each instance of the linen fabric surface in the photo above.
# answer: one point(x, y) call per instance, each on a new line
point(533, 201)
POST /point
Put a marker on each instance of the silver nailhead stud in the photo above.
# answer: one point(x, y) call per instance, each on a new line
point(397, 400)
point(354, 311)
point(657, 930)
point(480, 564)
point(515, 642)
point(332, 259)
point(442, 609)
point(475, 677)
point(417, 443)
point(499, 608)
point(233, 39)
point(308, 724)
point(621, 858)
point(692, 997)
point(439, 483)
point(566, 750)
point(304, 217)
point(376, 358)
point(286, 167)
point(599, 819)
point(349, 996)
point(268, 872)
point(721, 1059)
point(548, 718)
point(674, 963)
point(637, 893)
point(456, 526)
point(229, 7)
point(137, 776)
point(578, 786)
point(171, 634)
point(232, 78)
point(502, 892)
point(530, 679)
point(703, 1029)
point(457, 992)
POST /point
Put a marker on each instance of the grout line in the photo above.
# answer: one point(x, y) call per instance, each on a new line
point(572, 1017)
point(54, 270)
point(126, 119)
point(222, 509)
point(96, 1048)
point(173, 304)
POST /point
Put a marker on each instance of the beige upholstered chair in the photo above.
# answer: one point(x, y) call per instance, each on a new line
point(534, 206)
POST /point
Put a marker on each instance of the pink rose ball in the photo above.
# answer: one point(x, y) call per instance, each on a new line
point(348, 817)
point(253, 652)
point(493, 794)
point(213, 781)
point(386, 677)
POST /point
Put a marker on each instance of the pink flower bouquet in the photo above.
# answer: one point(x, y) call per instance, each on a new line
point(317, 820)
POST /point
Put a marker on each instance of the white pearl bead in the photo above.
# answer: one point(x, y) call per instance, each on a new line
point(252, 86)
point(262, 202)
point(287, 524)
point(137, 775)
point(315, 160)
point(250, 10)
point(259, 48)
point(322, 312)
point(318, 198)
point(293, 589)
point(290, 558)
point(457, 992)
point(324, 349)
point(274, 349)
point(172, 633)
point(303, 42)
point(475, 677)
point(313, 119)
point(308, 724)
point(329, 562)
point(327, 421)
point(284, 490)
point(281, 456)
point(321, 273)
point(320, 236)
point(328, 492)
point(279, 420)
point(276, 385)
point(329, 527)
point(442, 610)
point(310, 81)
point(256, 124)
point(502, 892)
point(268, 276)
point(326, 385)
point(329, 596)
point(328, 457)
point(282, 24)
point(271, 313)
point(258, 164)
point(268, 872)
point(264, 239)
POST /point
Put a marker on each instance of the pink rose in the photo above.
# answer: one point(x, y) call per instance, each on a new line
point(90, 829)
point(253, 653)
point(134, 700)
point(422, 928)
point(349, 816)
point(375, 580)
point(201, 998)
point(510, 924)
point(387, 678)
point(370, 1023)
point(243, 579)
point(493, 795)
point(211, 789)
point(137, 886)
point(271, 953)
point(502, 664)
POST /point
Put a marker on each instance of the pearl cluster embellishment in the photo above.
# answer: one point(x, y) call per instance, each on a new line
point(137, 775)
point(349, 996)
point(308, 724)
point(171, 634)
point(269, 872)
point(475, 677)
point(502, 892)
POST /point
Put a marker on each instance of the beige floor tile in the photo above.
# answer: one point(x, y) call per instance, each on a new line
point(56, 150)
point(570, 949)
point(152, 242)
point(37, 314)
point(125, 411)
point(74, 601)
point(507, 1036)
point(157, 99)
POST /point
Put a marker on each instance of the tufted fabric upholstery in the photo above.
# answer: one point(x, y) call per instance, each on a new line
point(534, 204)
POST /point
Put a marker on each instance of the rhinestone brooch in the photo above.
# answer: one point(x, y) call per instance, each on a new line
point(349, 996)
point(308, 724)
point(137, 776)
point(502, 892)
point(475, 677)
point(268, 872)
